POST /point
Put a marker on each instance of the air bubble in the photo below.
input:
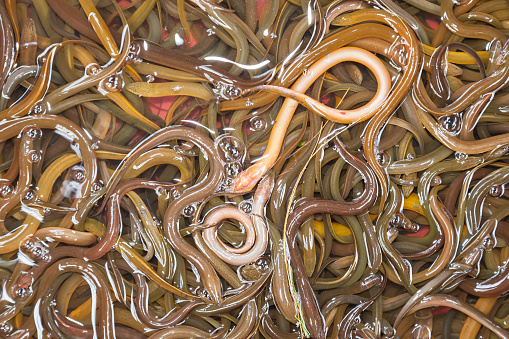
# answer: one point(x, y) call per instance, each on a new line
point(150, 78)
point(6, 191)
point(489, 243)
point(38, 109)
point(460, 156)
point(189, 211)
point(36, 251)
point(250, 272)
point(262, 262)
point(30, 195)
point(226, 91)
point(92, 69)
point(497, 191)
point(34, 156)
point(28, 245)
point(397, 220)
point(436, 181)
point(78, 175)
point(160, 191)
point(22, 292)
point(96, 186)
point(249, 103)
point(232, 169)
point(450, 123)
point(398, 53)
point(390, 332)
point(6, 329)
point(382, 158)
point(176, 193)
point(231, 92)
point(230, 148)
point(203, 293)
point(258, 124)
point(132, 55)
point(413, 227)
point(114, 83)
point(34, 133)
point(246, 206)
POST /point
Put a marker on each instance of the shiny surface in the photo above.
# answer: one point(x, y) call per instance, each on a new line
point(254, 169)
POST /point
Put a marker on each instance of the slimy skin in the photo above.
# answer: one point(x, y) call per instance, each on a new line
point(256, 228)
point(246, 180)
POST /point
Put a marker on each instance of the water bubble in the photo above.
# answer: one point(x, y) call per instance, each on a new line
point(436, 181)
point(92, 69)
point(38, 109)
point(258, 124)
point(203, 293)
point(78, 175)
point(30, 195)
point(398, 53)
point(39, 251)
point(189, 211)
point(410, 156)
point(390, 332)
point(246, 206)
point(150, 78)
point(34, 156)
point(262, 262)
point(383, 158)
point(273, 35)
point(231, 92)
point(28, 245)
point(6, 191)
point(250, 272)
point(489, 243)
point(96, 186)
point(160, 191)
point(22, 292)
point(460, 156)
point(249, 102)
point(210, 32)
point(34, 133)
point(113, 83)
point(413, 227)
point(133, 54)
point(397, 220)
point(175, 193)
point(450, 123)
point(232, 169)
point(6, 329)
point(497, 191)
point(222, 187)
point(230, 148)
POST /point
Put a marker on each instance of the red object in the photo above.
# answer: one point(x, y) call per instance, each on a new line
point(440, 310)
point(432, 22)
point(423, 230)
